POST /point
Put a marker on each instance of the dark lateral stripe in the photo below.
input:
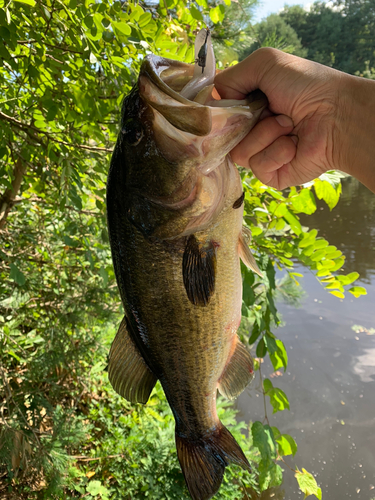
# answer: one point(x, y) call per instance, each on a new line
point(239, 202)
point(198, 270)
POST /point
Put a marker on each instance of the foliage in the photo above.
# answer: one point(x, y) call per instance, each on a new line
point(275, 32)
point(339, 35)
point(65, 66)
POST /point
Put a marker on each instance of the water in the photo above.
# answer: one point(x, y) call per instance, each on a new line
point(330, 380)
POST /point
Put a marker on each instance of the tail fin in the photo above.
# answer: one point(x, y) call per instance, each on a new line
point(203, 461)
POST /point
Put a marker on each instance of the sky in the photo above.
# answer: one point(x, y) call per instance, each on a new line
point(267, 7)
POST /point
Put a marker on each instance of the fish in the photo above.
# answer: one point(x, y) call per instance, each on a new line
point(174, 211)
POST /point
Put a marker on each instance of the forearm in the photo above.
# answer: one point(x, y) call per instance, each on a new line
point(354, 137)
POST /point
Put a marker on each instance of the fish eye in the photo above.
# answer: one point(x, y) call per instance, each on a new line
point(133, 132)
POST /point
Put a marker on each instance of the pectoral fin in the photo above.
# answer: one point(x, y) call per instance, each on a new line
point(245, 254)
point(127, 370)
point(238, 373)
point(198, 270)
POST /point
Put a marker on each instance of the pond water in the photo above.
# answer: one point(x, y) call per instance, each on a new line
point(330, 380)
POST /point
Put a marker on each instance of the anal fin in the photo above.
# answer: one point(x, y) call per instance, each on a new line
point(127, 370)
point(245, 254)
point(238, 373)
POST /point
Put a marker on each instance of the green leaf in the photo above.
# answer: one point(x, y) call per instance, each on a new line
point(318, 255)
point(261, 350)
point(263, 440)
point(280, 224)
point(217, 14)
point(321, 243)
point(340, 295)
point(14, 355)
point(52, 112)
point(307, 484)
point(278, 398)
point(254, 334)
point(280, 210)
point(270, 475)
point(122, 27)
point(357, 291)
point(16, 275)
point(197, 14)
point(28, 2)
point(286, 445)
point(304, 202)
point(294, 223)
point(279, 358)
point(144, 19)
point(338, 263)
point(325, 191)
point(308, 239)
point(97, 488)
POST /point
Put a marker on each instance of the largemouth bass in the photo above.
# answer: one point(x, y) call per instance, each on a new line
point(175, 208)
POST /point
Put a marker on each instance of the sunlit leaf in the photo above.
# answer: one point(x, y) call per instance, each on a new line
point(28, 2)
point(325, 191)
point(357, 291)
point(122, 27)
point(217, 14)
point(307, 484)
point(340, 295)
point(294, 223)
point(286, 445)
point(304, 202)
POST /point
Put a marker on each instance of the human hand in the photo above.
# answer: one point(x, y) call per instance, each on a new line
point(299, 136)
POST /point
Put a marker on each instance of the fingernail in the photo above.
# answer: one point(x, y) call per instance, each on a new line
point(294, 139)
point(284, 120)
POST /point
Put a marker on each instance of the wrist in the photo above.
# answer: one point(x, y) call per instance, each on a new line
point(354, 139)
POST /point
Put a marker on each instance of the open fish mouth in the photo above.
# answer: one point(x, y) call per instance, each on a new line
point(182, 93)
point(188, 122)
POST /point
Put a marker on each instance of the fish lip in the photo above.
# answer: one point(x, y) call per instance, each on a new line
point(152, 68)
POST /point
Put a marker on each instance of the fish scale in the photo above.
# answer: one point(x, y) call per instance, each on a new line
point(176, 247)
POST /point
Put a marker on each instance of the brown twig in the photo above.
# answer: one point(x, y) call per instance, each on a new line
point(26, 42)
point(26, 128)
point(86, 459)
point(264, 394)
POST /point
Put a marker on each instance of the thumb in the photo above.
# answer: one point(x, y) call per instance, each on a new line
point(238, 81)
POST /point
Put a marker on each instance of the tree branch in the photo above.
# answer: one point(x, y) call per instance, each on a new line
point(26, 128)
point(7, 199)
point(26, 42)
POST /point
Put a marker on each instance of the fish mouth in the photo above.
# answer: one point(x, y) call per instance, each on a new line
point(182, 92)
point(199, 127)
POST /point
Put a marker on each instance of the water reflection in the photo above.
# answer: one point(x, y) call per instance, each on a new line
point(364, 366)
point(350, 226)
point(272, 494)
point(330, 380)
